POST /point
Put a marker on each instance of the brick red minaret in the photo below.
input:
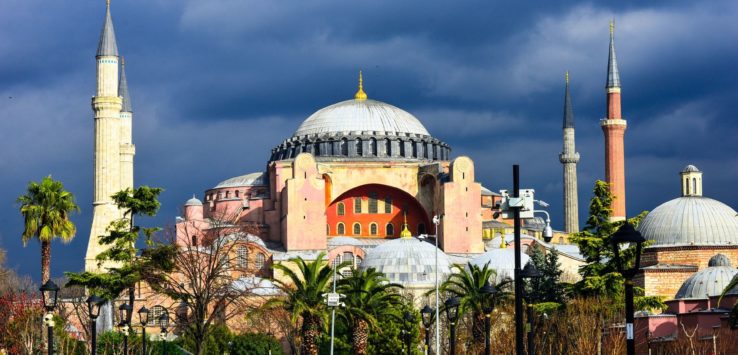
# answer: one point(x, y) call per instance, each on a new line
point(613, 126)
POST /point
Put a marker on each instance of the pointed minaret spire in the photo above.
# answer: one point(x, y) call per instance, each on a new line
point(614, 126)
point(360, 95)
point(107, 45)
point(569, 159)
point(613, 75)
point(123, 88)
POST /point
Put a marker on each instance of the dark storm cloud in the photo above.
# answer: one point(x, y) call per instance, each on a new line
point(217, 84)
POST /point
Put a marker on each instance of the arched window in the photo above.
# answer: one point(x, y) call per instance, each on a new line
point(388, 147)
point(260, 259)
point(357, 229)
point(421, 228)
point(390, 229)
point(242, 256)
point(340, 229)
point(694, 185)
point(388, 204)
point(344, 147)
point(154, 314)
point(373, 202)
point(357, 204)
point(373, 147)
point(340, 209)
point(359, 148)
point(414, 148)
point(237, 193)
point(686, 182)
point(373, 229)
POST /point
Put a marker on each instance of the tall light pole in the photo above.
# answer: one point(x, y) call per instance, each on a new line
point(627, 235)
point(143, 317)
point(333, 300)
point(49, 293)
point(436, 222)
point(93, 310)
point(516, 204)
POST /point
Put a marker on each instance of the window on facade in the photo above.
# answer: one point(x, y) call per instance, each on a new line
point(260, 259)
point(194, 240)
point(388, 147)
point(373, 147)
point(694, 185)
point(340, 229)
point(228, 194)
point(390, 229)
point(340, 209)
point(373, 202)
point(237, 193)
point(348, 257)
point(220, 195)
point(373, 229)
point(415, 149)
point(357, 204)
point(359, 148)
point(421, 228)
point(154, 314)
point(242, 256)
point(388, 204)
point(336, 261)
point(344, 147)
point(357, 228)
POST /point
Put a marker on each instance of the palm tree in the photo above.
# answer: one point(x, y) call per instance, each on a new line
point(303, 289)
point(369, 297)
point(466, 284)
point(46, 208)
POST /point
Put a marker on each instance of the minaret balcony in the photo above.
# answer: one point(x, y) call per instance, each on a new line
point(569, 158)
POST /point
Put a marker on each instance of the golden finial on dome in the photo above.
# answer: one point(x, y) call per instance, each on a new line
point(405, 232)
point(360, 95)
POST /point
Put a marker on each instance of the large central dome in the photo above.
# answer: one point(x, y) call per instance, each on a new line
point(361, 116)
point(362, 129)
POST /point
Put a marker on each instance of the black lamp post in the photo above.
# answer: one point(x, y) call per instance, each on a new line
point(124, 312)
point(143, 317)
point(488, 305)
point(409, 321)
point(625, 236)
point(93, 310)
point(530, 272)
point(49, 293)
point(427, 316)
point(452, 313)
point(164, 324)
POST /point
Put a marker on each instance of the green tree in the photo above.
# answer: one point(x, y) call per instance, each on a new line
point(391, 337)
point(303, 290)
point(254, 344)
point(369, 297)
point(466, 284)
point(547, 288)
point(46, 208)
point(599, 275)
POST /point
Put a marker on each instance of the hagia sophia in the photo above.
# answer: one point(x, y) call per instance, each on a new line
point(365, 182)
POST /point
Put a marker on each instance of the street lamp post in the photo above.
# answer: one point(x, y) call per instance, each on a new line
point(409, 320)
point(164, 324)
point(49, 292)
point(125, 311)
point(627, 235)
point(488, 305)
point(452, 313)
point(427, 316)
point(93, 309)
point(530, 272)
point(143, 317)
point(436, 222)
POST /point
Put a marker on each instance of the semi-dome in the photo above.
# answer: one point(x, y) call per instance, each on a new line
point(253, 179)
point(691, 220)
point(501, 260)
point(361, 116)
point(719, 260)
point(409, 262)
point(706, 283)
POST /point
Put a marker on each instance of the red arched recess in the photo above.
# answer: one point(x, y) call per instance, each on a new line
point(376, 213)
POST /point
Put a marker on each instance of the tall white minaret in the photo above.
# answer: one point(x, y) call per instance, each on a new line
point(106, 106)
point(127, 149)
point(569, 158)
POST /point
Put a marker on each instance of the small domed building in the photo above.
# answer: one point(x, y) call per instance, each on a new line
point(685, 233)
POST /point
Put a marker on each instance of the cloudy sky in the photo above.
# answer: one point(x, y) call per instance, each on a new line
point(216, 84)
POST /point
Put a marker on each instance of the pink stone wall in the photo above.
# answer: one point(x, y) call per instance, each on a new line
point(461, 227)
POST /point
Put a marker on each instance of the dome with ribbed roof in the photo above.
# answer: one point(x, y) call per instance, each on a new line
point(194, 201)
point(361, 116)
point(719, 260)
point(691, 220)
point(690, 169)
point(706, 283)
point(409, 262)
